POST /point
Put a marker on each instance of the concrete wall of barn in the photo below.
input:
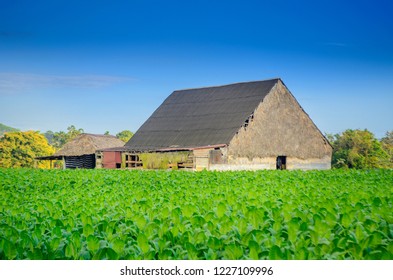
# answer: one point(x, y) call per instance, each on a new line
point(270, 163)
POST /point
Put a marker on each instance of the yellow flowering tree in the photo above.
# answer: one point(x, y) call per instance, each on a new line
point(18, 149)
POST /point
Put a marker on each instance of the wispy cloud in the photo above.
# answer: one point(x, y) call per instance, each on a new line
point(19, 82)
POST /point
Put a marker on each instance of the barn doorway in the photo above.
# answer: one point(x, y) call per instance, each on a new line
point(281, 163)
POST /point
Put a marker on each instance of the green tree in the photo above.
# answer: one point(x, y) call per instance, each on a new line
point(387, 145)
point(388, 139)
point(358, 149)
point(125, 135)
point(73, 132)
point(19, 149)
point(60, 138)
point(49, 136)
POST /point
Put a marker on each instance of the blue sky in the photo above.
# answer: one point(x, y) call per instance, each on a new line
point(107, 65)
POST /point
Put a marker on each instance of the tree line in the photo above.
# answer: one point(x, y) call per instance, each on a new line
point(358, 149)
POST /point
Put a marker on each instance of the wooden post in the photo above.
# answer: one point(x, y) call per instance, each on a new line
point(123, 160)
point(64, 162)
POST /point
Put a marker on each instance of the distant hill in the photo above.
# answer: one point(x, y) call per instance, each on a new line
point(4, 129)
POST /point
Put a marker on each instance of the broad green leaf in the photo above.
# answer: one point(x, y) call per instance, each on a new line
point(143, 243)
point(26, 241)
point(40, 208)
point(346, 220)
point(110, 228)
point(293, 230)
point(242, 225)
point(118, 245)
point(301, 254)
point(214, 243)
point(330, 219)
point(70, 250)
point(200, 237)
point(377, 202)
point(55, 243)
point(88, 229)
point(210, 216)
point(197, 221)
point(151, 230)
point(254, 249)
point(85, 255)
point(76, 239)
point(377, 239)
point(342, 243)
point(359, 232)
point(275, 253)
point(233, 252)
point(106, 254)
point(277, 226)
point(166, 254)
point(93, 243)
point(57, 231)
point(221, 209)
point(188, 210)
point(9, 250)
point(314, 237)
point(192, 251)
point(140, 221)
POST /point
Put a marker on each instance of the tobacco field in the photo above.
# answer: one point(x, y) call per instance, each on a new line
point(122, 214)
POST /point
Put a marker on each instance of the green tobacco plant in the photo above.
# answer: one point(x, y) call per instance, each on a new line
point(102, 214)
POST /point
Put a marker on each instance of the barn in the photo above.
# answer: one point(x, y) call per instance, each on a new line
point(81, 151)
point(241, 126)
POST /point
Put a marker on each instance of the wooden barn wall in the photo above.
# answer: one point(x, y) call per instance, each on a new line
point(99, 159)
point(111, 159)
point(279, 127)
point(201, 159)
point(85, 161)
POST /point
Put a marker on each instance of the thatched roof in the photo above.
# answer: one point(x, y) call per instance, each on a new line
point(86, 144)
point(200, 117)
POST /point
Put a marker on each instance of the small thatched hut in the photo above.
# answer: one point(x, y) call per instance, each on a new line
point(80, 152)
point(243, 126)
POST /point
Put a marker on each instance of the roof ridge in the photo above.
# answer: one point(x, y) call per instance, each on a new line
point(231, 84)
point(99, 135)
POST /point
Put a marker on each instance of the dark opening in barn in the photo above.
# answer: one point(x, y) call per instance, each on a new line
point(281, 162)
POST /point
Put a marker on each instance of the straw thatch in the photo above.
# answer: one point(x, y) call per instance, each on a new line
point(280, 126)
point(86, 144)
